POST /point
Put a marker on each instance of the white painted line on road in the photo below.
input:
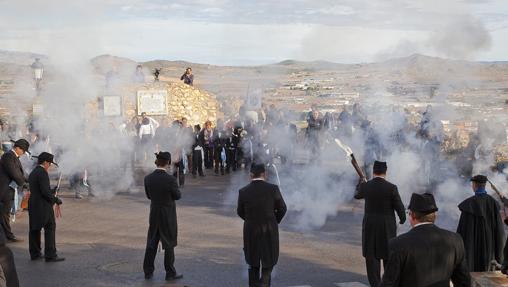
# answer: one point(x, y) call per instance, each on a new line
point(350, 284)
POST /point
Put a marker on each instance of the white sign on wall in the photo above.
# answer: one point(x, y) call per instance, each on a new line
point(153, 102)
point(112, 106)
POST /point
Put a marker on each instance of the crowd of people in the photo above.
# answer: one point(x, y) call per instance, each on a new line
point(255, 141)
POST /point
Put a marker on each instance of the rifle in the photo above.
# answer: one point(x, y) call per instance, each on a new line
point(501, 197)
point(349, 153)
point(57, 210)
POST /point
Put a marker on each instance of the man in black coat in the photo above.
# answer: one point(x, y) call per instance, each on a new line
point(261, 206)
point(10, 276)
point(481, 227)
point(381, 200)
point(426, 256)
point(40, 211)
point(11, 172)
point(162, 190)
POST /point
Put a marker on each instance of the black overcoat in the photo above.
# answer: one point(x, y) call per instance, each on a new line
point(42, 199)
point(261, 206)
point(10, 170)
point(426, 256)
point(162, 190)
point(381, 200)
point(482, 230)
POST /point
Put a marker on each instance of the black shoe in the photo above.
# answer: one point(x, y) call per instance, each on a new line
point(202, 175)
point(148, 275)
point(14, 239)
point(55, 259)
point(171, 277)
point(36, 257)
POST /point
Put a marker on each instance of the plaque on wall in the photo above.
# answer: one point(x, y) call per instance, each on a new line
point(153, 102)
point(112, 105)
point(37, 109)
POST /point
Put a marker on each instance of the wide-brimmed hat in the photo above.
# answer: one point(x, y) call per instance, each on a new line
point(46, 156)
point(22, 144)
point(479, 178)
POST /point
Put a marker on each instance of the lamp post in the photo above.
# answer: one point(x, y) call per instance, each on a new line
point(38, 69)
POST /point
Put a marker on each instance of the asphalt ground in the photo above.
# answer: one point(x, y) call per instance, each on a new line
point(103, 241)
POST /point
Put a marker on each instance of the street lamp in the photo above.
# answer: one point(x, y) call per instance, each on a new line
point(38, 69)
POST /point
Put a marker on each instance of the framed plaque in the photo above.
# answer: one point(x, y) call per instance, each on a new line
point(153, 102)
point(112, 105)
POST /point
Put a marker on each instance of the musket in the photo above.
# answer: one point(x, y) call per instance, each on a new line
point(354, 162)
point(58, 211)
point(501, 197)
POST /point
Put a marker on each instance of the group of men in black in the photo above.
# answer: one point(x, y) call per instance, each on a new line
point(428, 255)
point(260, 205)
point(40, 209)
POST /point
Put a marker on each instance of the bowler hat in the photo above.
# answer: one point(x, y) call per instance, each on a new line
point(163, 155)
point(46, 156)
point(479, 178)
point(423, 203)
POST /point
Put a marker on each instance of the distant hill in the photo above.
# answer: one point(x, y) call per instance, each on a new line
point(20, 58)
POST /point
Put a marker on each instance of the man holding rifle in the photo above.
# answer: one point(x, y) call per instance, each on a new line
point(381, 200)
point(481, 227)
point(40, 210)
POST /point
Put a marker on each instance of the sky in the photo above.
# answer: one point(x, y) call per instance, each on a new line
point(246, 32)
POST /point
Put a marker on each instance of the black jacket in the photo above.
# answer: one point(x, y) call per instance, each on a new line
point(482, 230)
point(381, 200)
point(261, 206)
point(426, 256)
point(162, 189)
point(42, 199)
point(10, 170)
point(199, 140)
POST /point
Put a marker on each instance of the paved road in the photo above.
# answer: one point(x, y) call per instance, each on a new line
point(103, 241)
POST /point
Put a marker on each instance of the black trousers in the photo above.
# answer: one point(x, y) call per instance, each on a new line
point(208, 152)
point(197, 162)
point(34, 241)
point(150, 253)
point(8, 267)
point(231, 159)
point(254, 277)
point(374, 270)
point(218, 160)
point(5, 221)
point(178, 173)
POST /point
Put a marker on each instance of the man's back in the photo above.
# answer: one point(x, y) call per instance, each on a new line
point(161, 188)
point(10, 169)
point(381, 197)
point(482, 230)
point(426, 256)
point(261, 201)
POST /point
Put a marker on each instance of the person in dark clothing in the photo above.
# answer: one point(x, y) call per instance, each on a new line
point(315, 123)
point(40, 211)
point(230, 148)
point(208, 134)
point(197, 152)
point(11, 176)
point(381, 200)
point(162, 190)
point(219, 144)
point(481, 227)
point(7, 265)
point(427, 255)
point(261, 206)
point(188, 77)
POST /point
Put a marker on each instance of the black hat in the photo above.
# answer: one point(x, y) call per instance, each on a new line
point(479, 178)
point(423, 203)
point(22, 144)
point(46, 156)
point(164, 155)
point(257, 168)
point(379, 167)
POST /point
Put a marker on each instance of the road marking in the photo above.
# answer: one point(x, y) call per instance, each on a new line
point(350, 284)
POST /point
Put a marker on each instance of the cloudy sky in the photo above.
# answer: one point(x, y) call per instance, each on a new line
point(246, 32)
